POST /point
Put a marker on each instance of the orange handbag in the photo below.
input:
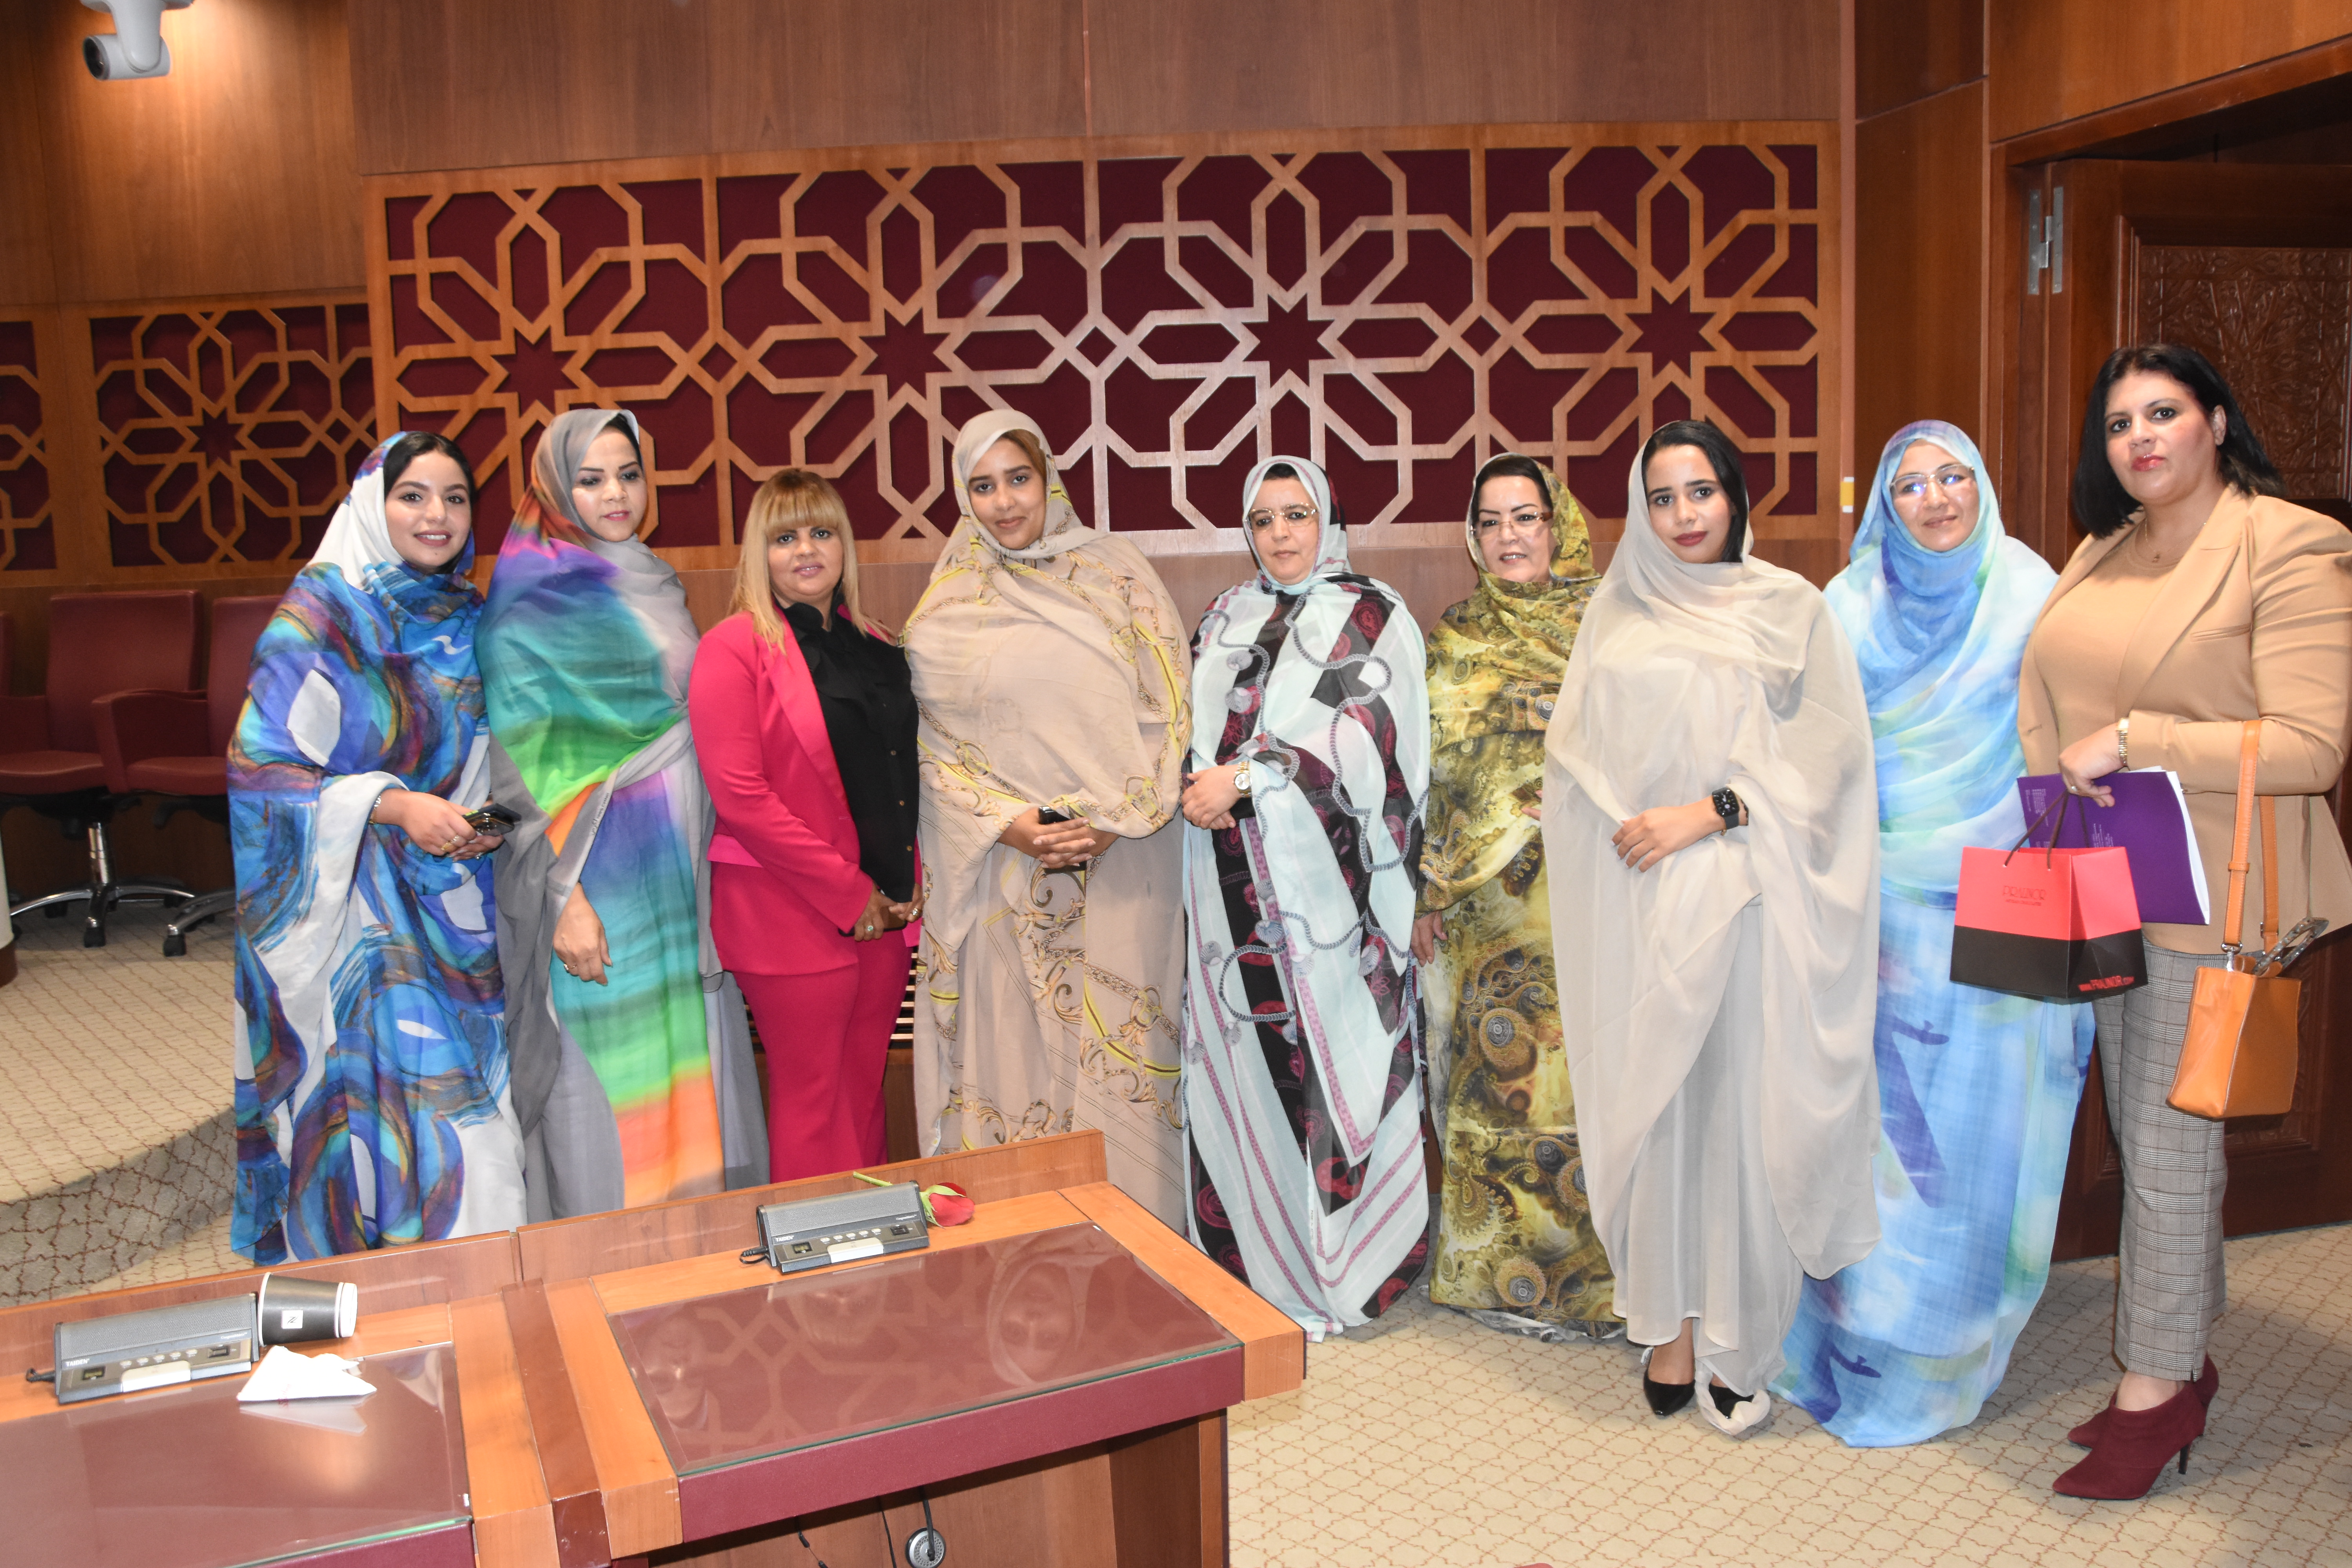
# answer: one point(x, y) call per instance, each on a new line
point(2241, 1050)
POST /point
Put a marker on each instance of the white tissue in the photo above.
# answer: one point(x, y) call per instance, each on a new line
point(283, 1374)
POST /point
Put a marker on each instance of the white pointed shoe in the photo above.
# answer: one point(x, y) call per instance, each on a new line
point(1748, 1416)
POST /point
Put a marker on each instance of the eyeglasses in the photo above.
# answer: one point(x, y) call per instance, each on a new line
point(1294, 515)
point(1525, 519)
point(1949, 479)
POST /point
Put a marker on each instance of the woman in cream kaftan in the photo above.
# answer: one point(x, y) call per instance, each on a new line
point(1051, 676)
point(1716, 1008)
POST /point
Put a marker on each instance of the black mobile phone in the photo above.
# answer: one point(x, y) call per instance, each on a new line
point(491, 818)
point(1046, 813)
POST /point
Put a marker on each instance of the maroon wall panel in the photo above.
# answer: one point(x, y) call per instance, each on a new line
point(1395, 306)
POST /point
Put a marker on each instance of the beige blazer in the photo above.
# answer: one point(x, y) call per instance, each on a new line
point(2255, 622)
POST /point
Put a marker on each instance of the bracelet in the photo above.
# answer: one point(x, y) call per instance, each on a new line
point(2123, 742)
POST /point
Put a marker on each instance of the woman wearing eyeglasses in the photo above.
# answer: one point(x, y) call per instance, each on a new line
point(1977, 1088)
point(2199, 601)
point(1302, 1015)
point(1515, 1246)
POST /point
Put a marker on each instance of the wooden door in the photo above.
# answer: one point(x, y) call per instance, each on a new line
point(2251, 265)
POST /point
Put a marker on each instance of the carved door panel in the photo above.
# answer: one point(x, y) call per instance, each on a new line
point(2250, 265)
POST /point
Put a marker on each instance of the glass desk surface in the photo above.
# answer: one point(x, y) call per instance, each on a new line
point(187, 1478)
point(794, 1362)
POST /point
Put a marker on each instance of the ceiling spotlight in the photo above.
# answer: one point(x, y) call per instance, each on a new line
point(136, 46)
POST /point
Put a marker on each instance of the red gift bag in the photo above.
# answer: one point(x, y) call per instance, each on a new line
point(2060, 924)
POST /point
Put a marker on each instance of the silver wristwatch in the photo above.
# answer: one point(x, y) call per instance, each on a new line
point(1242, 778)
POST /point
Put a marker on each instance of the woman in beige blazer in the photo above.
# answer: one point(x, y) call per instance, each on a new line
point(2201, 601)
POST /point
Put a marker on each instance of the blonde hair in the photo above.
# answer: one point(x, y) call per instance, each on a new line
point(793, 498)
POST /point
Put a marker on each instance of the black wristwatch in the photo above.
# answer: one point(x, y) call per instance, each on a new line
point(1727, 806)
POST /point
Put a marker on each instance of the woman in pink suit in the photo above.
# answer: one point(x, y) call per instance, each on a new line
point(804, 725)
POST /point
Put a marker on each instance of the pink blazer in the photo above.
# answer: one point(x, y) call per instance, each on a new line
point(767, 760)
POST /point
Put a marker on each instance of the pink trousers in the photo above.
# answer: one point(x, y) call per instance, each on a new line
point(826, 1035)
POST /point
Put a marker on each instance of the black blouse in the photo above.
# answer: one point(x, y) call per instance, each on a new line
point(869, 713)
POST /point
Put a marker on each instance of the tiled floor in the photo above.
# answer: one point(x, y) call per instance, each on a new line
point(1435, 1441)
point(1440, 1442)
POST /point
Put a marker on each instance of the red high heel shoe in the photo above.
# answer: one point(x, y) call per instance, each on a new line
point(2134, 1448)
point(2208, 1383)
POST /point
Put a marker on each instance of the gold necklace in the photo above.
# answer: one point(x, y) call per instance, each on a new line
point(2150, 557)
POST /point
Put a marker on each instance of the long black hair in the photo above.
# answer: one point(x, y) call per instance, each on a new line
point(2101, 502)
point(414, 445)
point(1721, 456)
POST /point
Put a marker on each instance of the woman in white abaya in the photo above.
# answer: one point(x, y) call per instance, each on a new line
point(1711, 821)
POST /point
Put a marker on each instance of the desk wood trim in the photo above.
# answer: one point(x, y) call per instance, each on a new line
point(640, 1489)
point(1274, 1348)
point(513, 1525)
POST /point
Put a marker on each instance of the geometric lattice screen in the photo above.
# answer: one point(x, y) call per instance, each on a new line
point(1397, 315)
point(229, 431)
point(28, 537)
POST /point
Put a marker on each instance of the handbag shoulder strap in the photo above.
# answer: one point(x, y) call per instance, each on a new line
point(2270, 872)
point(2250, 747)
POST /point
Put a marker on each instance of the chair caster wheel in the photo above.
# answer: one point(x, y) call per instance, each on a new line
point(93, 938)
point(175, 945)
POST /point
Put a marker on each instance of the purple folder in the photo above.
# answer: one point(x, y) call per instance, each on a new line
point(2149, 821)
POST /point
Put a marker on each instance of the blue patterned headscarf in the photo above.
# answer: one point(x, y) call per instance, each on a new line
point(1939, 637)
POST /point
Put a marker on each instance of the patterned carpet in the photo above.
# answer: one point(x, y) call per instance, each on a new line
point(1440, 1442)
point(116, 1142)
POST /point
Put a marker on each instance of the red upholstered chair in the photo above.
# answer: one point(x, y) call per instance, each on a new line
point(98, 643)
point(175, 743)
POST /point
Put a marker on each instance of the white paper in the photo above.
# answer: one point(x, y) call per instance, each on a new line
point(283, 1374)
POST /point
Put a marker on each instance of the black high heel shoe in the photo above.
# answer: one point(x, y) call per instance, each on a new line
point(1665, 1398)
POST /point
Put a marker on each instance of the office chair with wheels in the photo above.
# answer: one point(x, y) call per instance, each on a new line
point(176, 744)
point(98, 643)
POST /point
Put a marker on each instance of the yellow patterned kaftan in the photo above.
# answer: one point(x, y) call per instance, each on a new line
point(1515, 1232)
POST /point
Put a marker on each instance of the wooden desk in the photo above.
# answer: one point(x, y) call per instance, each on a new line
point(1128, 1468)
point(563, 1466)
point(93, 1492)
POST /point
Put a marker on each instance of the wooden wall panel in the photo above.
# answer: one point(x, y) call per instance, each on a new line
point(233, 174)
point(27, 275)
point(505, 82)
point(847, 73)
point(1236, 64)
point(2055, 60)
point(1919, 270)
point(1395, 305)
point(1905, 50)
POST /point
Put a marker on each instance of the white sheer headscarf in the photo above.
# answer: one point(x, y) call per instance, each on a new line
point(1684, 679)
